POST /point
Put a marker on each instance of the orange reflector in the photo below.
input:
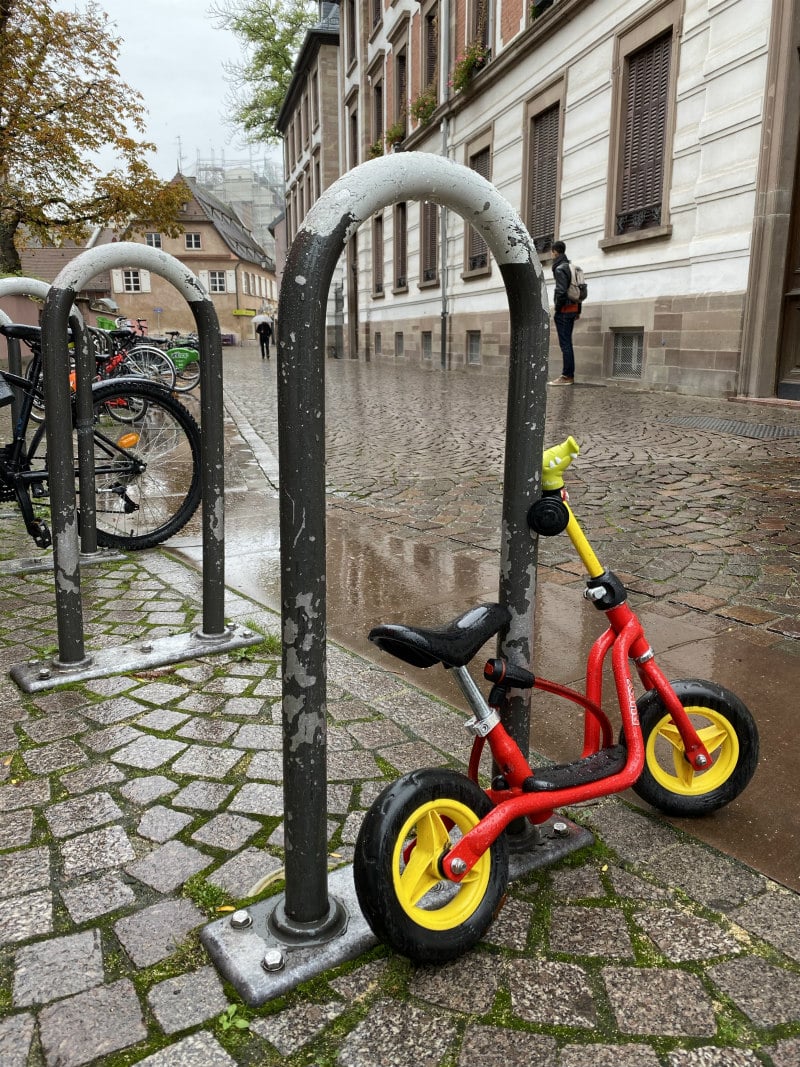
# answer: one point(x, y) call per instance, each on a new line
point(128, 440)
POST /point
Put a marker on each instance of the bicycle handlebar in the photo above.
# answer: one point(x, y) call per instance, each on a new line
point(555, 461)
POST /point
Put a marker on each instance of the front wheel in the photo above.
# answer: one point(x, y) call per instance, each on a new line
point(726, 728)
point(151, 363)
point(405, 899)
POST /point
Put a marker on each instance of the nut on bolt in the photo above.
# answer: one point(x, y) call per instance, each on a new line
point(560, 829)
point(241, 919)
point(458, 866)
point(273, 960)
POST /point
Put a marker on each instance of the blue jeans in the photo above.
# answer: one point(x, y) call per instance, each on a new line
point(565, 324)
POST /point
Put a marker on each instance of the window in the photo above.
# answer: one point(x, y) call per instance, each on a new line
point(354, 153)
point(306, 119)
point(427, 344)
point(246, 284)
point(479, 158)
point(399, 345)
point(351, 31)
point(473, 347)
point(400, 246)
point(153, 240)
point(377, 111)
point(376, 10)
point(429, 247)
point(479, 21)
point(641, 136)
point(627, 355)
point(377, 255)
point(544, 153)
point(378, 344)
point(216, 281)
point(132, 281)
point(430, 49)
point(401, 87)
point(192, 240)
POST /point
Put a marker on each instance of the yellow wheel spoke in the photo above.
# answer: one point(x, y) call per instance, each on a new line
point(713, 736)
point(684, 771)
point(419, 877)
point(432, 834)
point(671, 734)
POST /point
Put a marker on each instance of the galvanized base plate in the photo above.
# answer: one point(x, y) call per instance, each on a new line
point(245, 957)
point(37, 675)
point(41, 564)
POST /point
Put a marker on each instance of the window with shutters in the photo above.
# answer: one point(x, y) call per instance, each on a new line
point(377, 109)
point(641, 137)
point(400, 247)
point(479, 22)
point(350, 19)
point(354, 153)
point(430, 49)
point(216, 281)
point(131, 281)
point(542, 177)
point(401, 87)
point(429, 243)
point(377, 255)
point(479, 158)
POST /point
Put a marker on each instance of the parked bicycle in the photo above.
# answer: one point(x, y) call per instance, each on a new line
point(146, 453)
point(431, 857)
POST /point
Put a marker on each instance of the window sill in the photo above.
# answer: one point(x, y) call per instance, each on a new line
point(652, 233)
point(399, 290)
point(481, 272)
point(378, 295)
point(431, 283)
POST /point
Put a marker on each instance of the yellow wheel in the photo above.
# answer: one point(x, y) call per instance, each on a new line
point(400, 887)
point(726, 728)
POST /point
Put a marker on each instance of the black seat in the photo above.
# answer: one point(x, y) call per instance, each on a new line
point(31, 335)
point(453, 644)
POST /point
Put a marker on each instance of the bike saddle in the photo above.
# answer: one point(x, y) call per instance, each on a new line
point(32, 335)
point(453, 644)
point(121, 335)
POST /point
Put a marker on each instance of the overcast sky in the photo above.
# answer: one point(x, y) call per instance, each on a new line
point(172, 53)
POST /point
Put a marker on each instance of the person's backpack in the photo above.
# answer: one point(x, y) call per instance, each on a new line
point(577, 290)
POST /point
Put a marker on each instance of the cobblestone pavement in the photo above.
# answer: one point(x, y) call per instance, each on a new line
point(135, 806)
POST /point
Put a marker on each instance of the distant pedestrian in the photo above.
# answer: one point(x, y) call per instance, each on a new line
point(566, 312)
point(264, 331)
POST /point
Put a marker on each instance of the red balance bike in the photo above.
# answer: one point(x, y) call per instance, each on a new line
point(431, 859)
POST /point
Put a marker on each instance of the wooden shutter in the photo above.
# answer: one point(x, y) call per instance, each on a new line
point(543, 177)
point(203, 278)
point(377, 118)
point(480, 22)
point(377, 254)
point(117, 285)
point(230, 281)
point(478, 250)
point(430, 240)
point(644, 139)
point(144, 281)
point(400, 246)
point(431, 53)
point(401, 87)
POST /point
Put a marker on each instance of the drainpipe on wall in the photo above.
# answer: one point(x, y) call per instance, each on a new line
point(445, 83)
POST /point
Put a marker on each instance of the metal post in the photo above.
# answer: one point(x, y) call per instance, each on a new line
point(84, 427)
point(305, 910)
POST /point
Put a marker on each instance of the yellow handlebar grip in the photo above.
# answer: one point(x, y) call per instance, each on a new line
point(555, 461)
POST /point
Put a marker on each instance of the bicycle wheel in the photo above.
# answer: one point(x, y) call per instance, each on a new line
point(403, 895)
point(187, 369)
point(151, 363)
point(726, 728)
point(147, 479)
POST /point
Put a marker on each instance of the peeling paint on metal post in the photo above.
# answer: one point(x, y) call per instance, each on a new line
point(330, 223)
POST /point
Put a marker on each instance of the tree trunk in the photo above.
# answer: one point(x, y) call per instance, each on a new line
point(9, 257)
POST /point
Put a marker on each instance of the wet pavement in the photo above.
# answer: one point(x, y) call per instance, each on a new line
point(135, 806)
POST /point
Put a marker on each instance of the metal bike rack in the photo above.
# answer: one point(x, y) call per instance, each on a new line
point(72, 663)
point(307, 930)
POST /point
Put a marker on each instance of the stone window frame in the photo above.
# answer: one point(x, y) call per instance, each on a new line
point(551, 95)
point(473, 241)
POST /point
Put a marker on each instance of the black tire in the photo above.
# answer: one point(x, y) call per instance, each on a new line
point(728, 730)
point(188, 377)
point(447, 919)
point(147, 478)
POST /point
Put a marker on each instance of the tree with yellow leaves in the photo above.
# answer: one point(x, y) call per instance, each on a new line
point(61, 101)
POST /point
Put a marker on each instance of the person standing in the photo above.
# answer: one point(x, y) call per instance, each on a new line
point(566, 312)
point(264, 331)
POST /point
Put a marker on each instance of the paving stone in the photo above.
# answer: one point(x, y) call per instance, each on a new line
point(204, 796)
point(710, 1056)
point(143, 790)
point(88, 900)
point(552, 994)
point(590, 932)
point(652, 1001)
point(398, 1033)
point(156, 932)
point(444, 984)
point(93, 777)
point(83, 813)
point(767, 994)
point(147, 752)
point(96, 851)
point(57, 968)
point(345, 766)
point(27, 794)
point(577, 883)
point(358, 983)
point(160, 693)
point(27, 916)
point(786, 1053)
point(206, 762)
point(198, 1050)
point(226, 831)
point(243, 706)
point(266, 765)
point(182, 1002)
point(91, 1024)
point(110, 738)
point(107, 687)
point(55, 757)
point(774, 916)
point(160, 823)
point(200, 703)
point(16, 828)
point(708, 877)
point(169, 866)
point(111, 711)
point(258, 799)
point(240, 875)
point(228, 686)
point(681, 936)
point(16, 1034)
point(54, 728)
point(510, 927)
point(259, 737)
point(161, 720)
point(211, 730)
point(628, 885)
point(608, 1056)
point(290, 1030)
point(490, 1046)
point(22, 871)
point(269, 687)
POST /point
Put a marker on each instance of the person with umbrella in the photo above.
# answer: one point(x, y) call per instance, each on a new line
point(264, 332)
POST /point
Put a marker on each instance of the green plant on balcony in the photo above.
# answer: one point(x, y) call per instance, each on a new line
point(395, 133)
point(423, 106)
point(468, 65)
point(376, 148)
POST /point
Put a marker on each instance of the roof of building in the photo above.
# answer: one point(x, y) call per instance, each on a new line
point(227, 223)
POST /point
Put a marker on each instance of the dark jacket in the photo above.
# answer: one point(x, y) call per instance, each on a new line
point(562, 276)
point(264, 330)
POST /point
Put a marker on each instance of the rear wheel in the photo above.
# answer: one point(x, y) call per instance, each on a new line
point(726, 728)
point(147, 474)
point(187, 368)
point(151, 363)
point(406, 900)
